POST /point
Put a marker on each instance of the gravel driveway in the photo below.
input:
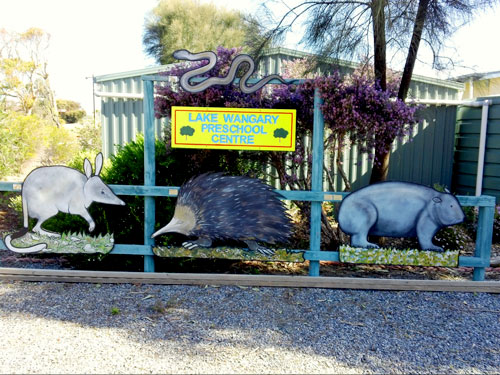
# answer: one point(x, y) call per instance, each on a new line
point(92, 328)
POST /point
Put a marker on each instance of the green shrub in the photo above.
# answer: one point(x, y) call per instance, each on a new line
point(61, 145)
point(470, 223)
point(89, 135)
point(454, 237)
point(20, 137)
point(69, 111)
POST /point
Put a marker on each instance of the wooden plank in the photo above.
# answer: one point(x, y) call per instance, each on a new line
point(248, 280)
point(124, 249)
point(483, 239)
point(11, 186)
point(319, 196)
point(152, 191)
point(481, 201)
point(172, 191)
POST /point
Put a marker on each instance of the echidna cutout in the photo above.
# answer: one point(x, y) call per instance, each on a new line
point(219, 207)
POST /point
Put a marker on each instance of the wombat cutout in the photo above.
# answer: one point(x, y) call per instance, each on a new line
point(398, 209)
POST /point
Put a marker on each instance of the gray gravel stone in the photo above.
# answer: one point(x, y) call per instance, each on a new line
point(89, 328)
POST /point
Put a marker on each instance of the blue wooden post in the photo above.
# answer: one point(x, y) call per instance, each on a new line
point(484, 236)
point(317, 181)
point(149, 170)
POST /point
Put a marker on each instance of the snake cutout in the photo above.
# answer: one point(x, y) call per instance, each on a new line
point(212, 59)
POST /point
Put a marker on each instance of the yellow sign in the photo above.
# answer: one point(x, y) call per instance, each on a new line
point(234, 128)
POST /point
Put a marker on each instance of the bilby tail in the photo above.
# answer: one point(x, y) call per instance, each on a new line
point(32, 249)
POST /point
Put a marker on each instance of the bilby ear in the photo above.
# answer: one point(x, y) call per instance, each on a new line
point(87, 167)
point(98, 164)
point(436, 200)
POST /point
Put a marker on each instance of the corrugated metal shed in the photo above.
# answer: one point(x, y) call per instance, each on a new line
point(122, 114)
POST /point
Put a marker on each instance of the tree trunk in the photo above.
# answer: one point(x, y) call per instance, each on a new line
point(378, 20)
point(404, 86)
point(379, 172)
point(381, 169)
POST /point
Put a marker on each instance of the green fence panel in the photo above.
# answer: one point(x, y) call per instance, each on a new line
point(468, 127)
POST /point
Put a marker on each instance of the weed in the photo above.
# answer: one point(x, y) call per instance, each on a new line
point(115, 310)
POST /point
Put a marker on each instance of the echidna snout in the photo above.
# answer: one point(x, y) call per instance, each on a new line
point(183, 222)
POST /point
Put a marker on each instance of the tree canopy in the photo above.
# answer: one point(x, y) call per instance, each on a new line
point(372, 28)
point(24, 80)
point(188, 24)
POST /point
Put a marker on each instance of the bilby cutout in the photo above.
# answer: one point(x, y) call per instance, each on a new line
point(49, 190)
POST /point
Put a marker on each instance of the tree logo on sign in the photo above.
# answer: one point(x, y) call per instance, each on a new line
point(187, 131)
point(280, 133)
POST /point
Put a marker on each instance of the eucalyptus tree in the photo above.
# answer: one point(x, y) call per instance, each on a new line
point(24, 78)
point(195, 26)
point(377, 28)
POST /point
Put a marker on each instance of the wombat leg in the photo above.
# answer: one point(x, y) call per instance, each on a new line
point(361, 240)
point(254, 246)
point(425, 232)
point(430, 247)
point(202, 241)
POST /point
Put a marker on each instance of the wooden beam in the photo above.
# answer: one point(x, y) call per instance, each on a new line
point(248, 280)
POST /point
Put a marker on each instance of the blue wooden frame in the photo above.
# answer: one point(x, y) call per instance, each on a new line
point(486, 204)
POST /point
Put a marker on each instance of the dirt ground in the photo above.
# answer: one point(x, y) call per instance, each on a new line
point(10, 221)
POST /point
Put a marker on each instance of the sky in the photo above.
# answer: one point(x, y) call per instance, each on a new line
point(96, 37)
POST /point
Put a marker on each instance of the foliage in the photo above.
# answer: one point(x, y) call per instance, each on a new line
point(300, 68)
point(20, 137)
point(195, 26)
point(454, 237)
point(355, 106)
point(89, 135)
point(471, 218)
point(359, 108)
point(114, 310)
point(24, 137)
point(60, 146)
point(70, 111)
